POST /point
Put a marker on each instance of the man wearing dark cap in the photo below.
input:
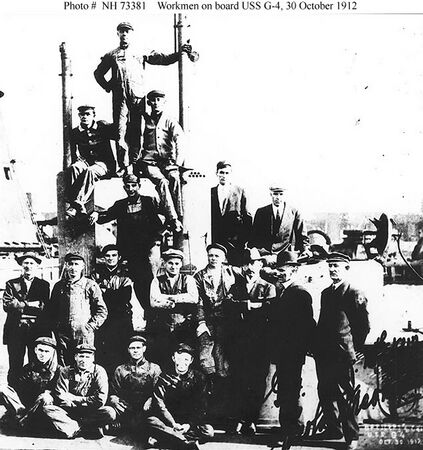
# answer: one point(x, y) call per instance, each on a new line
point(162, 156)
point(33, 387)
point(179, 406)
point(174, 302)
point(76, 308)
point(139, 229)
point(341, 330)
point(230, 217)
point(92, 158)
point(23, 301)
point(248, 328)
point(214, 283)
point(79, 396)
point(127, 67)
point(291, 329)
point(116, 286)
point(279, 226)
point(132, 386)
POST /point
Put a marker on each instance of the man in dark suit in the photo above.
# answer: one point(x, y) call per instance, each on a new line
point(230, 218)
point(23, 301)
point(291, 328)
point(279, 226)
point(342, 329)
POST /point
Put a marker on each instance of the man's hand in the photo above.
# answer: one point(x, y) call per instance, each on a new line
point(182, 428)
point(120, 405)
point(68, 399)
point(93, 217)
point(186, 48)
point(45, 398)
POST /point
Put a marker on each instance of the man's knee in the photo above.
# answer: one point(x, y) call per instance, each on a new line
point(108, 413)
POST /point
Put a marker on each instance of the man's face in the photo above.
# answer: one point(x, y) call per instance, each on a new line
point(216, 257)
point(111, 258)
point(84, 361)
point(157, 104)
point(74, 268)
point(254, 267)
point(43, 352)
point(87, 118)
point(29, 267)
point(173, 266)
point(285, 273)
point(338, 270)
point(125, 36)
point(182, 362)
point(131, 188)
point(277, 197)
point(420, 232)
point(136, 350)
point(224, 175)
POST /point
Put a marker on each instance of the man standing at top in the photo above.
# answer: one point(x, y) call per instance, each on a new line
point(162, 155)
point(127, 86)
point(92, 158)
point(23, 300)
point(230, 218)
point(341, 330)
point(76, 308)
point(279, 226)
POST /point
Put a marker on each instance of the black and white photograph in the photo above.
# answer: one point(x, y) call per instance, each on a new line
point(211, 225)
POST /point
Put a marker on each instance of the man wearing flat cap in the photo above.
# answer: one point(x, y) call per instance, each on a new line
point(92, 158)
point(291, 330)
point(248, 328)
point(132, 387)
point(34, 386)
point(279, 226)
point(127, 67)
point(162, 157)
point(23, 301)
point(230, 217)
point(139, 229)
point(341, 331)
point(76, 309)
point(79, 396)
point(174, 301)
point(179, 407)
point(116, 286)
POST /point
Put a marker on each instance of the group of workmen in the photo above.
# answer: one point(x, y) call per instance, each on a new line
point(209, 338)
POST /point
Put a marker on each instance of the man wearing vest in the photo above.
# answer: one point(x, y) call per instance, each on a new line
point(341, 330)
point(132, 387)
point(162, 156)
point(23, 301)
point(76, 308)
point(174, 300)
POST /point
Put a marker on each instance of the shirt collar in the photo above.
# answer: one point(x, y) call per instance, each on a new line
point(94, 126)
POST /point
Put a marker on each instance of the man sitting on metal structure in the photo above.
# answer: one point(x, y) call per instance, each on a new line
point(230, 218)
point(174, 300)
point(79, 397)
point(132, 387)
point(247, 313)
point(33, 388)
point(291, 327)
point(76, 308)
point(341, 331)
point(23, 300)
point(179, 406)
point(116, 286)
point(279, 226)
point(127, 85)
point(139, 229)
point(92, 158)
point(162, 156)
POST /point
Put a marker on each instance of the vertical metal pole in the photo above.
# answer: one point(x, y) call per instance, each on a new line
point(66, 105)
point(179, 27)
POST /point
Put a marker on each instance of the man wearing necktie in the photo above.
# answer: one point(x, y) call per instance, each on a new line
point(23, 300)
point(279, 226)
point(230, 217)
point(342, 330)
point(291, 326)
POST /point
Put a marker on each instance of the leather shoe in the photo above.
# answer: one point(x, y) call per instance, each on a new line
point(248, 429)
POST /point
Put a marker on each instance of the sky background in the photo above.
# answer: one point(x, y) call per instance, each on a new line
point(329, 105)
